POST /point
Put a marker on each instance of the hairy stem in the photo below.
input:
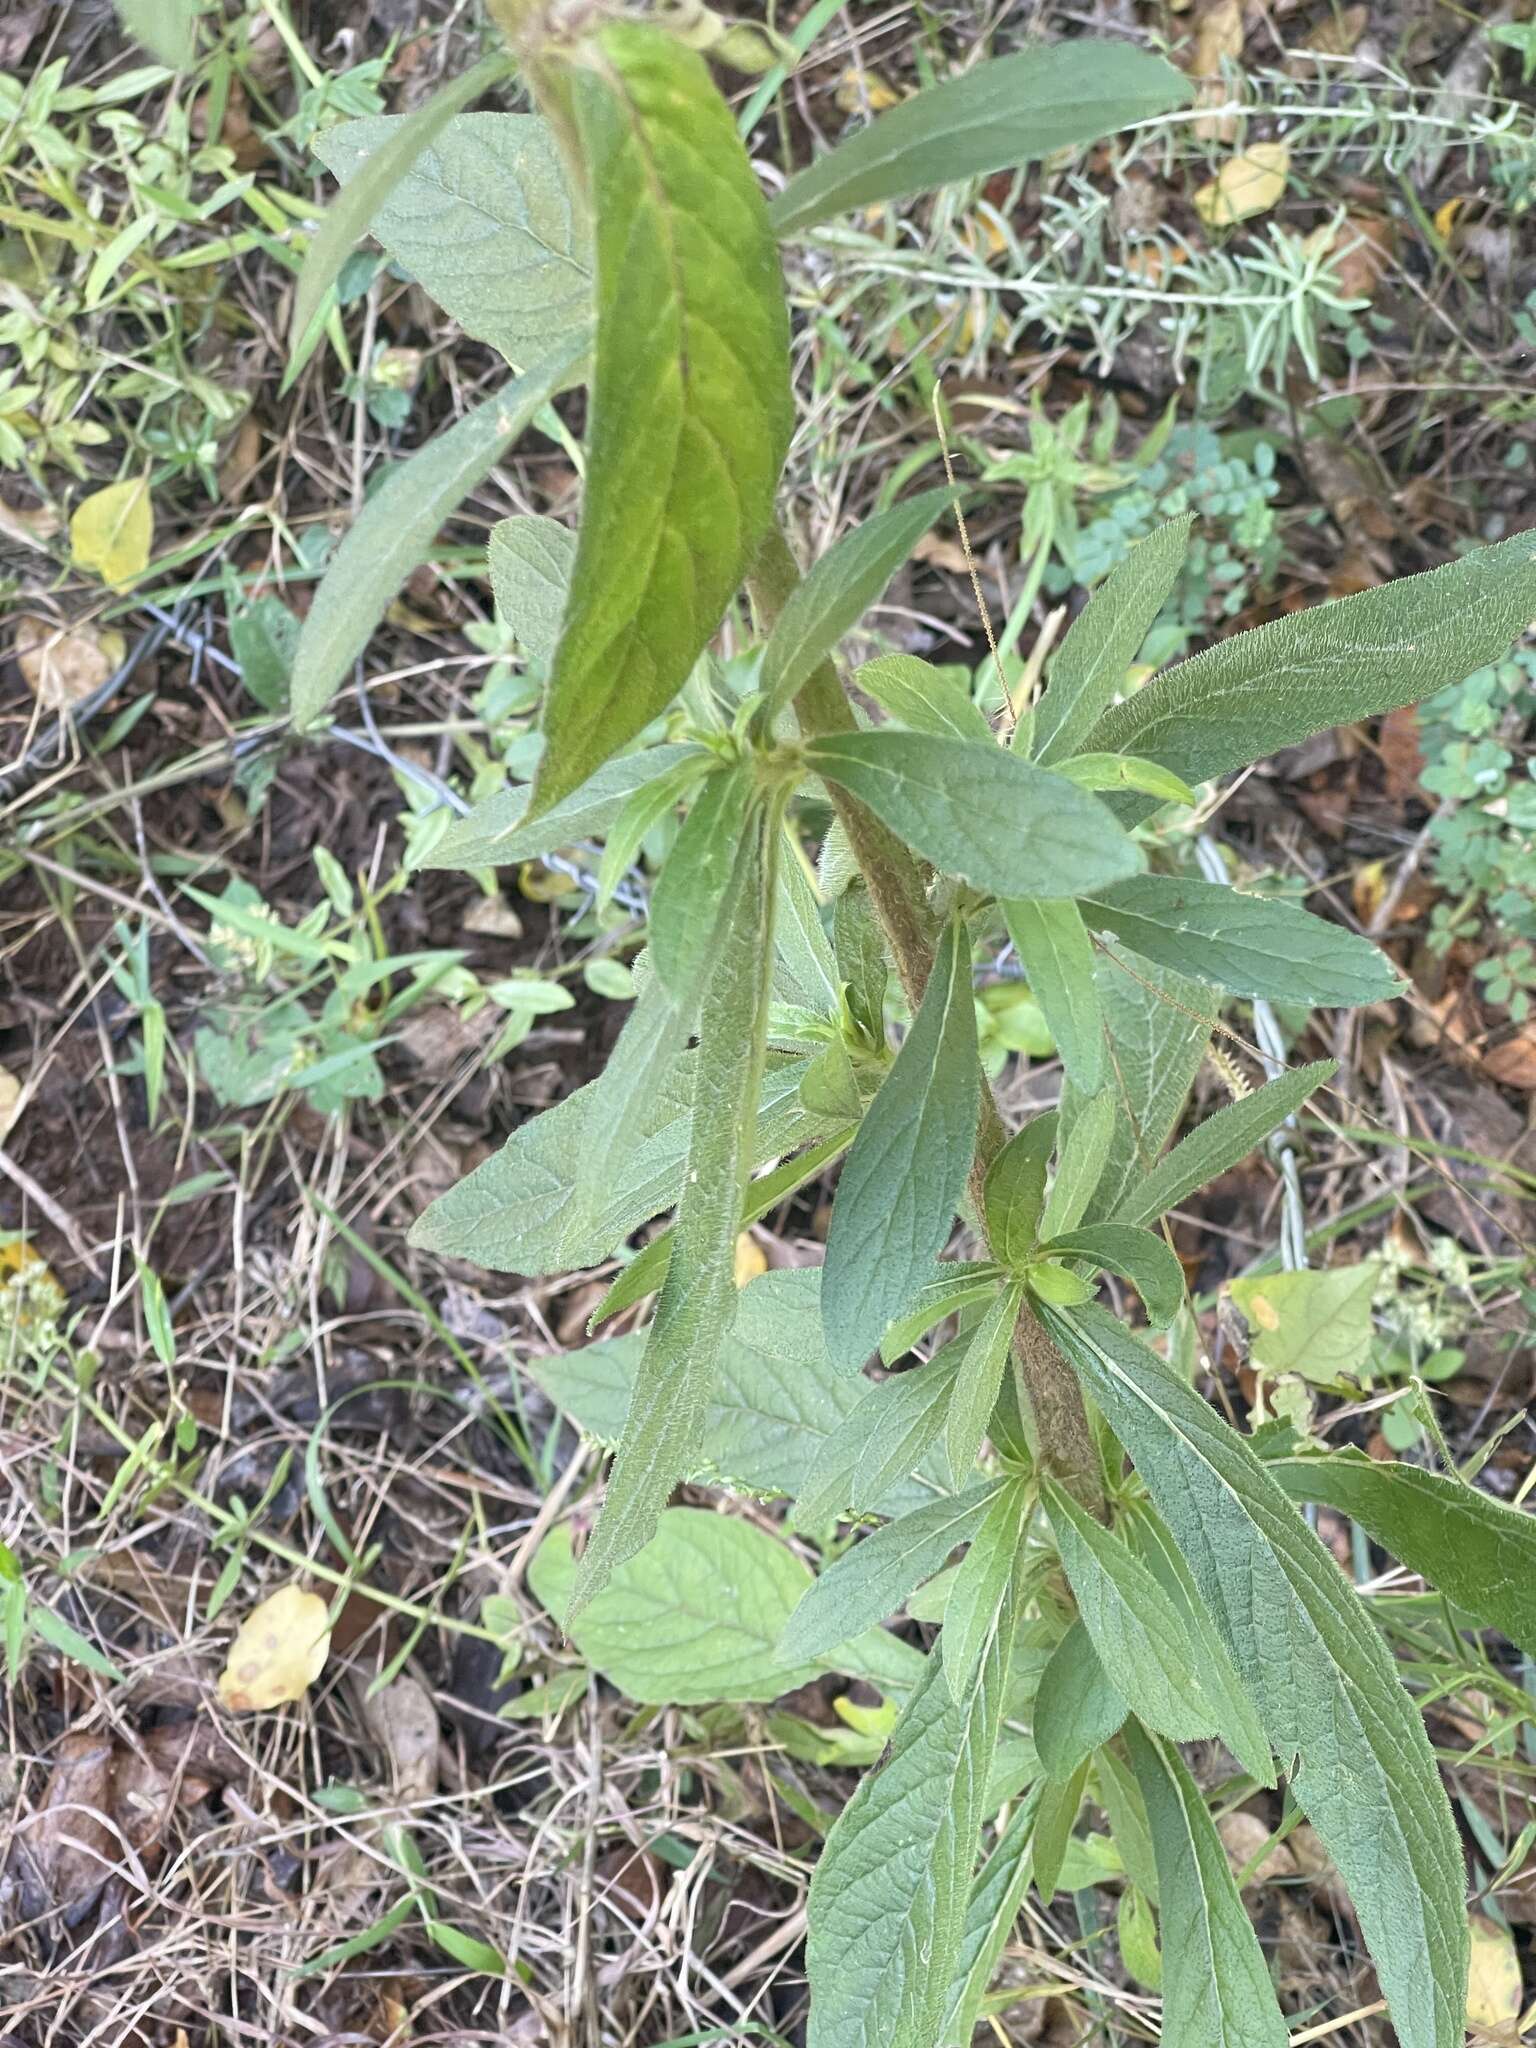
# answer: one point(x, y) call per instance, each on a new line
point(895, 883)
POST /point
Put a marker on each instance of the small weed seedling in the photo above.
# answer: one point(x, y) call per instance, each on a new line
point(1136, 1572)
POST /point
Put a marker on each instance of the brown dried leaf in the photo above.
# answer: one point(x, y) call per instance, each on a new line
point(1513, 1063)
point(73, 1844)
point(404, 1722)
point(1402, 757)
point(62, 665)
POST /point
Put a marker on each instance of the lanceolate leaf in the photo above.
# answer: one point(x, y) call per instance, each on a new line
point(837, 591)
point(1474, 1549)
point(889, 1898)
point(495, 833)
point(1105, 638)
point(530, 560)
point(872, 1579)
point(1219, 1142)
point(1253, 945)
point(1014, 1195)
point(957, 1284)
point(1079, 1164)
point(1139, 1256)
point(1056, 952)
point(685, 904)
point(690, 407)
point(980, 812)
point(395, 531)
point(976, 1384)
point(889, 1433)
point(996, 1897)
point(973, 1609)
point(805, 953)
point(1324, 1681)
point(1333, 665)
point(699, 1297)
point(166, 28)
point(485, 220)
point(1010, 111)
point(1077, 1708)
point(902, 1181)
point(923, 698)
point(1217, 1992)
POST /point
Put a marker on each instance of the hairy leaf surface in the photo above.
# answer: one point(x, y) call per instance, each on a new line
point(1077, 1708)
point(496, 831)
point(1056, 952)
point(530, 561)
point(1220, 1141)
point(923, 698)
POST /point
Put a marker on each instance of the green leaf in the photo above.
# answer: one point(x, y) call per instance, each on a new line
point(862, 964)
point(923, 698)
point(903, 1179)
point(1126, 772)
point(699, 1296)
point(1219, 1142)
point(1011, 110)
point(1217, 1991)
point(1314, 1323)
point(54, 1629)
point(836, 592)
point(485, 220)
point(1474, 1549)
point(1056, 952)
point(973, 1610)
point(399, 524)
point(685, 904)
point(652, 802)
point(889, 1898)
point(1134, 1625)
point(892, 1427)
point(978, 1381)
point(805, 953)
point(1136, 1932)
point(776, 1408)
point(1076, 1707)
point(1159, 1027)
point(1118, 1793)
point(1140, 1256)
point(1104, 639)
point(872, 1579)
point(1253, 945)
point(980, 812)
point(1333, 665)
point(694, 1616)
point(1060, 1803)
point(349, 214)
point(530, 560)
point(996, 1897)
point(1080, 1157)
point(957, 1284)
point(1324, 1681)
point(1014, 1195)
point(166, 28)
point(690, 404)
point(496, 832)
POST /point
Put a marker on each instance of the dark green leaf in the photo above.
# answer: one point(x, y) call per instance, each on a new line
point(1014, 1196)
point(685, 904)
point(1219, 1142)
point(1140, 1256)
point(1080, 1158)
point(1056, 953)
point(923, 698)
point(974, 1608)
point(690, 405)
point(836, 592)
point(1012, 110)
point(1076, 1707)
point(996, 1897)
point(1253, 945)
point(1324, 1681)
point(1056, 1816)
point(976, 1386)
point(1333, 665)
point(902, 1181)
point(495, 833)
point(1105, 638)
point(980, 812)
point(1474, 1549)
point(862, 964)
point(957, 1284)
point(399, 524)
point(486, 222)
point(1217, 1992)
point(888, 1435)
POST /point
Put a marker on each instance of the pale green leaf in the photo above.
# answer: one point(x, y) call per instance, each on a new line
point(1315, 1323)
point(1011, 110)
point(1322, 1678)
point(694, 1616)
point(690, 407)
point(885, 1439)
point(485, 220)
point(863, 965)
point(996, 1897)
point(923, 698)
point(1333, 665)
point(495, 833)
point(1253, 945)
point(1056, 953)
point(1474, 1549)
point(1140, 1256)
point(902, 1180)
point(1217, 1991)
point(957, 1284)
point(1014, 1195)
point(1125, 772)
point(399, 524)
point(1076, 1707)
point(1060, 1803)
point(836, 592)
point(872, 1579)
point(530, 560)
point(55, 1630)
point(166, 28)
point(980, 812)
point(1105, 638)
point(1080, 1158)
point(974, 1608)
point(1219, 1142)
point(805, 956)
point(685, 904)
point(979, 1380)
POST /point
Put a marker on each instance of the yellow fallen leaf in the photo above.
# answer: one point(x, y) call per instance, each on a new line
point(864, 92)
point(278, 1654)
point(750, 1259)
point(113, 530)
point(1218, 35)
point(1493, 1983)
point(1245, 185)
point(1445, 216)
point(62, 665)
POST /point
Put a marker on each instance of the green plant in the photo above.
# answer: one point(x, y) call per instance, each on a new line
point(1104, 1610)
